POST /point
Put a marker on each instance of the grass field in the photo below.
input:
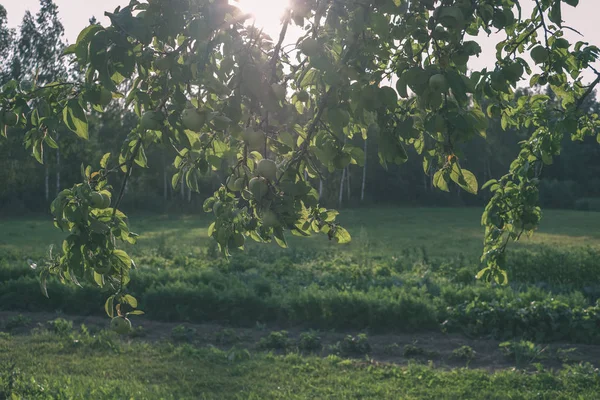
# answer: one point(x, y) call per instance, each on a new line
point(441, 232)
point(214, 328)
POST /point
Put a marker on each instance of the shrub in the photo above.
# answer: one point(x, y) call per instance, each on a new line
point(227, 336)
point(309, 341)
point(522, 352)
point(411, 350)
point(182, 333)
point(17, 321)
point(353, 346)
point(61, 327)
point(464, 353)
point(278, 340)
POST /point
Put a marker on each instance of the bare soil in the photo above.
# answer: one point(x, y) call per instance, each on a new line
point(435, 348)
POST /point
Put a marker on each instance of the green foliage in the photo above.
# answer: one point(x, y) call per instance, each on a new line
point(412, 350)
point(352, 345)
point(542, 321)
point(275, 341)
point(61, 327)
point(182, 333)
point(18, 321)
point(198, 77)
point(523, 352)
point(309, 341)
point(39, 368)
point(227, 336)
point(464, 353)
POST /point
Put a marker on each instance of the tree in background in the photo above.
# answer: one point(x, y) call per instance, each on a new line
point(228, 99)
point(6, 42)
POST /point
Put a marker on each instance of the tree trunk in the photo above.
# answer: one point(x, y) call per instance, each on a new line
point(189, 199)
point(183, 189)
point(342, 187)
point(165, 179)
point(57, 166)
point(320, 189)
point(364, 177)
point(348, 188)
point(47, 178)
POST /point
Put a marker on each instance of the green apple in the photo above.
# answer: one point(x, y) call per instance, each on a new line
point(193, 119)
point(121, 325)
point(267, 169)
point(152, 120)
point(105, 97)
point(234, 183)
point(10, 118)
point(539, 54)
point(258, 187)
point(438, 83)
point(302, 96)
point(164, 63)
point(254, 139)
point(97, 200)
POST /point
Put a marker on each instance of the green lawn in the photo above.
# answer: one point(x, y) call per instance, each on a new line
point(49, 366)
point(407, 271)
point(388, 231)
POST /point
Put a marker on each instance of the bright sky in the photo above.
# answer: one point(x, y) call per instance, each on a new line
point(75, 15)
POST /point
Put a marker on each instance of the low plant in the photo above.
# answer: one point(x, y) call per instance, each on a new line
point(138, 332)
point(227, 336)
point(523, 352)
point(309, 341)
point(182, 333)
point(463, 353)
point(277, 340)
point(353, 345)
point(411, 350)
point(17, 321)
point(61, 327)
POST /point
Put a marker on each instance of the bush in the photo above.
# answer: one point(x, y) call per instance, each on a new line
point(227, 336)
point(544, 321)
point(309, 341)
point(61, 327)
point(522, 352)
point(464, 353)
point(182, 333)
point(353, 346)
point(17, 321)
point(411, 350)
point(275, 341)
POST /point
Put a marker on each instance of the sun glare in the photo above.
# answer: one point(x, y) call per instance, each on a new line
point(267, 13)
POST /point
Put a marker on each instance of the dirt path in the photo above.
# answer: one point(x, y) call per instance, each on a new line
point(400, 349)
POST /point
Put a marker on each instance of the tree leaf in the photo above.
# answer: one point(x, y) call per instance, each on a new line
point(43, 280)
point(471, 185)
point(121, 259)
point(555, 13)
point(104, 160)
point(341, 235)
point(439, 181)
point(109, 306)
point(75, 119)
point(129, 299)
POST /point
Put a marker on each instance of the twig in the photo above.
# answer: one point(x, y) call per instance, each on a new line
point(127, 176)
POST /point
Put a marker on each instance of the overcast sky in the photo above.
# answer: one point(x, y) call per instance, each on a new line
point(75, 15)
